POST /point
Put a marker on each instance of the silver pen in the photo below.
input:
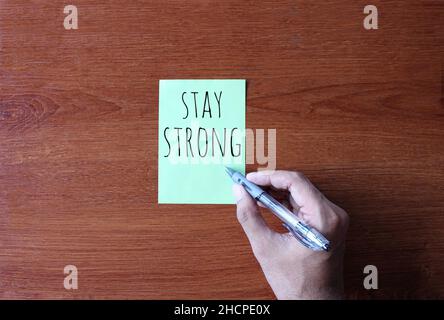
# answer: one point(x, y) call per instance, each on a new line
point(308, 236)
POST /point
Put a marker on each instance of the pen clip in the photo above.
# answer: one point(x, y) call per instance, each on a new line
point(301, 239)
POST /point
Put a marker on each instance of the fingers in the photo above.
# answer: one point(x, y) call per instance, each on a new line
point(249, 217)
point(301, 189)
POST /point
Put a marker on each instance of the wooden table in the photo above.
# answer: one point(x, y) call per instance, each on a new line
point(359, 112)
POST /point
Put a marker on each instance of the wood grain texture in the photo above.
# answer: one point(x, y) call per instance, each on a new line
point(360, 112)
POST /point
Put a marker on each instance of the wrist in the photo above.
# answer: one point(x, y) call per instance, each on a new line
point(315, 277)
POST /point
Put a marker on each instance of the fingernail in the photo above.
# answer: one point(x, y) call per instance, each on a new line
point(251, 175)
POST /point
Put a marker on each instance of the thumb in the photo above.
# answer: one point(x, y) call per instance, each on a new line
point(250, 218)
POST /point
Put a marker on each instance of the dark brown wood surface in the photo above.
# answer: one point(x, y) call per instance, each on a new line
point(359, 112)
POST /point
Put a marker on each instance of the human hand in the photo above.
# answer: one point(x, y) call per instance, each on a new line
point(292, 270)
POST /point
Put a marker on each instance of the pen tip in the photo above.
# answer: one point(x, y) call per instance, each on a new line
point(229, 171)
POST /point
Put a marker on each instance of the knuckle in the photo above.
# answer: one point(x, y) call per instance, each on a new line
point(331, 217)
point(335, 220)
point(297, 175)
point(345, 218)
point(339, 219)
point(341, 213)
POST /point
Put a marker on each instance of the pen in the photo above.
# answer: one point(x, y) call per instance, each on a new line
point(307, 235)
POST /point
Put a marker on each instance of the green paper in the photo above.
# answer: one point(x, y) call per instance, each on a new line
point(201, 130)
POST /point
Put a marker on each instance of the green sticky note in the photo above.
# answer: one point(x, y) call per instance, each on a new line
point(201, 130)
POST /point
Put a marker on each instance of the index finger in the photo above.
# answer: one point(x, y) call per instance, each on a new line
point(301, 189)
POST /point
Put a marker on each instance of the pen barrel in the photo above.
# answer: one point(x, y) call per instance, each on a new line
point(254, 190)
point(310, 237)
point(279, 210)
